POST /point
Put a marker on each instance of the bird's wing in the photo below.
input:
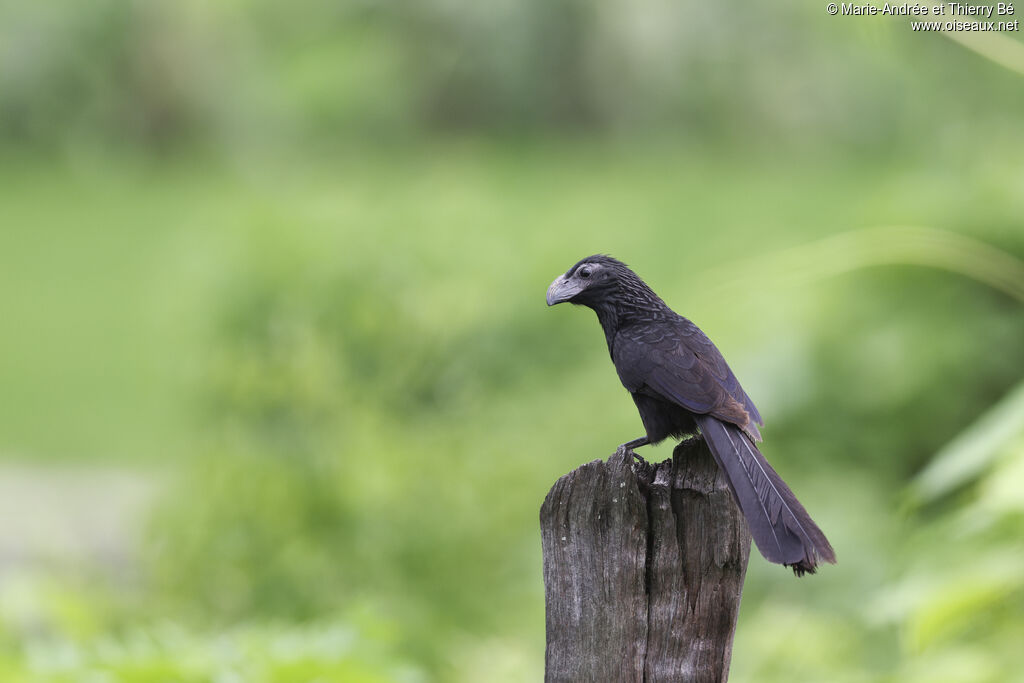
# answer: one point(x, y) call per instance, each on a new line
point(674, 361)
point(712, 357)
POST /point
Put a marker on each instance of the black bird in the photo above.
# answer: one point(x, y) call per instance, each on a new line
point(680, 383)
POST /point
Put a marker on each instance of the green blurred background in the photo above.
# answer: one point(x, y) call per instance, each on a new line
point(281, 397)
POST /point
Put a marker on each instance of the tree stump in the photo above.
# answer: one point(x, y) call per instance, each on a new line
point(643, 570)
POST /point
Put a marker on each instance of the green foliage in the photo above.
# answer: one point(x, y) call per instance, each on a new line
point(261, 654)
point(975, 452)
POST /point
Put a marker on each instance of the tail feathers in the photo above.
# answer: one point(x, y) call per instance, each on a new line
point(784, 532)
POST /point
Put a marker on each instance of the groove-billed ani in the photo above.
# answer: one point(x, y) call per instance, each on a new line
point(680, 383)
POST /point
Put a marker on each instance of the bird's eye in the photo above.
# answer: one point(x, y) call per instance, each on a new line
point(584, 272)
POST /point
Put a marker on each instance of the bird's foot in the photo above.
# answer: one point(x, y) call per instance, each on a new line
point(626, 449)
point(635, 443)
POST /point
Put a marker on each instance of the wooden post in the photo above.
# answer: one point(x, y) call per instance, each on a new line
point(643, 570)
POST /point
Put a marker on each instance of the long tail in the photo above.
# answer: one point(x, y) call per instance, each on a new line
point(780, 525)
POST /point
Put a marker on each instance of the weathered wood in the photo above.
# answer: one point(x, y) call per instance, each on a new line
point(643, 570)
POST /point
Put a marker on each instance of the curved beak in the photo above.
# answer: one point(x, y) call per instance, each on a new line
point(563, 290)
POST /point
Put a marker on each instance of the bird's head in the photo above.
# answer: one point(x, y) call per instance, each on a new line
point(591, 280)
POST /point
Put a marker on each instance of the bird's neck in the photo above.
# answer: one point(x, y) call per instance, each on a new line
point(616, 313)
point(608, 316)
